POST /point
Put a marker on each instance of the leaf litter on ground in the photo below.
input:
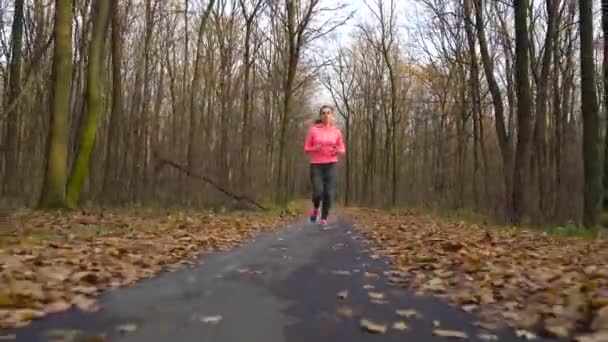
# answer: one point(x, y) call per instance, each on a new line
point(524, 279)
point(53, 261)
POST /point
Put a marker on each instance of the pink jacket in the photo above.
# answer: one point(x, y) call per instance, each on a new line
point(323, 143)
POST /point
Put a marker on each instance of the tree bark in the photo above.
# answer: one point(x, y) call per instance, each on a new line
point(114, 128)
point(53, 190)
point(524, 112)
point(589, 108)
point(101, 16)
point(504, 139)
point(14, 92)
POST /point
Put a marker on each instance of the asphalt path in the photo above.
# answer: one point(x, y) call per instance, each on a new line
point(281, 286)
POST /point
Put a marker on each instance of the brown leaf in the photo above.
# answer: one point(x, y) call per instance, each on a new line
point(600, 336)
point(85, 304)
point(344, 311)
point(600, 322)
point(58, 306)
point(5, 300)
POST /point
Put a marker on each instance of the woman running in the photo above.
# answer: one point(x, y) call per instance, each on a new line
point(323, 143)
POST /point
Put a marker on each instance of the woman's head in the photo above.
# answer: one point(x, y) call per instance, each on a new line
point(325, 114)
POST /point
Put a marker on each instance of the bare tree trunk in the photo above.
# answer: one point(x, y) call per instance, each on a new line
point(14, 91)
point(589, 108)
point(524, 112)
point(504, 138)
point(605, 102)
point(101, 16)
point(114, 127)
point(53, 190)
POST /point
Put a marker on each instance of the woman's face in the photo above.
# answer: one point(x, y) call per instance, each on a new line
point(326, 115)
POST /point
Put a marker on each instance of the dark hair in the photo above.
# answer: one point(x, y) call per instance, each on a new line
point(318, 120)
point(325, 107)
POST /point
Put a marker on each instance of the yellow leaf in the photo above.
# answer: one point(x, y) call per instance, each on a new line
point(373, 327)
point(409, 313)
point(450, 333)
point(376, 295)
point(401, 326)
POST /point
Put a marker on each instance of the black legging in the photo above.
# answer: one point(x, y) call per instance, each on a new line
point(323, 179)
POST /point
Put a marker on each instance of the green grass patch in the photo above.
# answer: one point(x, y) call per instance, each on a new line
point(573, 230)
point(469, 215)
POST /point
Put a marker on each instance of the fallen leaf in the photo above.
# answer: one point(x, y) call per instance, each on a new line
point(368, 287)
point(341, 272)
point(211, 319)
point(344, 311)
point(450, 333)
point(57, 306)
point(525, 334)
point(129, 327)
point(401, 326)
point(470, 307)
point(85, 304)
point(373, 327)
point(376, 295)
point(600, 322)
point(409, 313)
point(61, 335)
point(600, 336)
point(487, 337)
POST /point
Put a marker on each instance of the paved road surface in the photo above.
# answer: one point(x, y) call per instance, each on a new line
point(293, 299)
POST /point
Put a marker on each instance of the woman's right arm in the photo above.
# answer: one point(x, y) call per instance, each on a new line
point(309, 143)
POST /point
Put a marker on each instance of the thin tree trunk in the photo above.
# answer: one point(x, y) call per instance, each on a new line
point(605, 101)
point(14, 92)
point(504, 139)
point(524, 112)
point(114, 128)
point(589, 108)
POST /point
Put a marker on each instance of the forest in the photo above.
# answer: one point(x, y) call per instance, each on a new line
point(137, 135)
point(478, 105)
